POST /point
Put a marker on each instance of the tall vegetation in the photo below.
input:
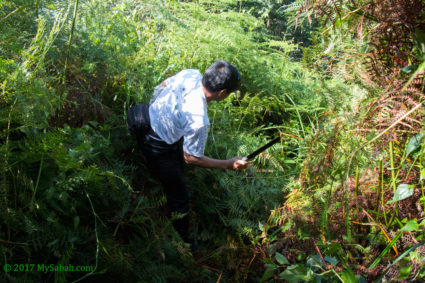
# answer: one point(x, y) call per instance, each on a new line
point(362, 185)
point(340, 198)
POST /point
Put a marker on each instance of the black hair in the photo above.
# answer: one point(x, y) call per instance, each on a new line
point(221, 75)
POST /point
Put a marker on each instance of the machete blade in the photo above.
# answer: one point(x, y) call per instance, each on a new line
point(261, 149)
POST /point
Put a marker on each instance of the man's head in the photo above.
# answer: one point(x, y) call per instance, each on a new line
point(221, 79)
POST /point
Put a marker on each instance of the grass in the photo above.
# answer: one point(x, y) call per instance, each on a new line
point(333, 201)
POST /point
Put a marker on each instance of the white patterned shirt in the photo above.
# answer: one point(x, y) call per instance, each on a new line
point(180, 110)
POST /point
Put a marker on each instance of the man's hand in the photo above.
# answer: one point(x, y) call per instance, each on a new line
point(238, 163)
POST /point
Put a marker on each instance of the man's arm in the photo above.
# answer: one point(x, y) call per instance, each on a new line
point(236, 163)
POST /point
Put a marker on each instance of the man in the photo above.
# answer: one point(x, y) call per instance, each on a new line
point(179, 129)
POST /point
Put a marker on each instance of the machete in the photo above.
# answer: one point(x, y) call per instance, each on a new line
point(261, 149)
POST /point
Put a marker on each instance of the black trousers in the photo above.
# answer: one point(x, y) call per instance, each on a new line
point(166, 162)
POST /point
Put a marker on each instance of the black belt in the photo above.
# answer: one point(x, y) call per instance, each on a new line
point(153, 134)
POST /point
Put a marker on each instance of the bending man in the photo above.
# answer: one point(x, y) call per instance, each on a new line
point(179, 131)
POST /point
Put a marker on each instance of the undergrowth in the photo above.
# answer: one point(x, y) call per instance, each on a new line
point(332, 201)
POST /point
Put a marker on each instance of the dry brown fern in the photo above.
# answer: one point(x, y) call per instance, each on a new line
point(390, 27)
point(392, 105)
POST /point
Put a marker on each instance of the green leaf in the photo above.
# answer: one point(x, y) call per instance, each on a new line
point(260, 226)
point(337, 24)
point(404, 272)
point(403, 191)
point(331, 260)
point(287, 226)
point(348, 276)
point(52, 243)
point(384, 252)
point(405, 269)
point(414, 143)
point(294, 273)
point(76, 222)
point(405, 253)
point(314, 262)
point(268, 260)
point(281, 259)
point(412, 77)
point(422, 173)
point(272, 266)
point(371, 136)
point(419, 40)
point(408, 69)
point(267, 274)
point(411, 226)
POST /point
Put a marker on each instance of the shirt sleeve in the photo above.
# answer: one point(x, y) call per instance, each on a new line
point(195, 141)
point(156, 92)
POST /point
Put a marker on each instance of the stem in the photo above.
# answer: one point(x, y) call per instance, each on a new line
point(380, 227)
point(393, 177)
point(385, 251)
point(6, 151)
point(421, 179)
point(298, 113)
point(382, 196)
point(36, 8)
point(337, 275)
point(347, 216)
point(67, 56)
point(378, 136)
point(405, 253)
point(11, 13)
point(392, 165)
point(69, 41)
point(37, 182)
point(13, 243)
point(357, 181)
point(356, 190)
point(378, 188)
point(413, 165)
point(324, 213)
point(320, 253)
point(97, 240)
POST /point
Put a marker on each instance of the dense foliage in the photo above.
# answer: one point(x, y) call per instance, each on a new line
point(340, 198)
